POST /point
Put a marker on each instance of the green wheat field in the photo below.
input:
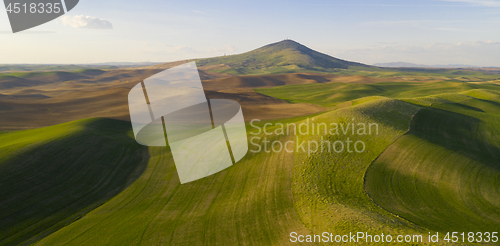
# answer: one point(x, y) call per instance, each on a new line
point(434, 165)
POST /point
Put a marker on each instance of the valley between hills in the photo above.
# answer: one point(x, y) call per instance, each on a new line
point(71, 172)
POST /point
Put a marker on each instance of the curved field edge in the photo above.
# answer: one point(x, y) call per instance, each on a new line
point(52, 176)
point(257, 201)
point(260, 200)
point(329, 187)
point(250, 202)
point(444, 174)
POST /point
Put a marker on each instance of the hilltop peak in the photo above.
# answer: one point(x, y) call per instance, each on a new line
point(287, 43)
point(286, 56)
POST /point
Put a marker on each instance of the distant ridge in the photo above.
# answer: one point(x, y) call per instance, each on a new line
point(286, 53)
point(408, 64)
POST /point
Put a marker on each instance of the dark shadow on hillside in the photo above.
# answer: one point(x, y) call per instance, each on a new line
point(496, 104)
point(409, 180)
point(47, 187)
point(456, 132)
point(467, 107)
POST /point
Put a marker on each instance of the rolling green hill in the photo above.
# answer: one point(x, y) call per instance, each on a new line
point(286, 55)
point(250, 202)
point(331, 94)
point(29, 79)
point(329, 186)
point(444, 173)
point(432, 166)
point(258, 201)
point(52, 176)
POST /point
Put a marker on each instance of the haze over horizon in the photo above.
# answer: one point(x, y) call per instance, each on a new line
point(421, 32)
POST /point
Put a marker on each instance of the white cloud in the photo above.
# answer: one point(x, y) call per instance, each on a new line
point(488, 3)
point(80, 21)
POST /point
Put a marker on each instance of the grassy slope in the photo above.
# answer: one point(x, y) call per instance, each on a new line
point(418, 72)
point(328, 186)
point(411, 74)
point(250, 202)
point(260, 200)
point(51, 176)
point(28, 79)
point(444, 174)
point(291, 57)
point(331, 94)
point(281, 57)
point(264, 197)
point(274, 70)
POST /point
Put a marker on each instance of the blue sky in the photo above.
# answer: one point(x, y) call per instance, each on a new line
point(418, 31)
